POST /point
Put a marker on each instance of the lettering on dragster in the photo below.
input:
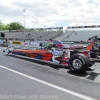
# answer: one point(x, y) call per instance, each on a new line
point(82, 59)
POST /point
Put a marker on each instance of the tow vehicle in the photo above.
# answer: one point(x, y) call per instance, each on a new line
point(76, 60)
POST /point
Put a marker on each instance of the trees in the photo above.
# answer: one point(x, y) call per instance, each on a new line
point(1, 25)
point(15, 26)
point(11, 26)
point(5, 27)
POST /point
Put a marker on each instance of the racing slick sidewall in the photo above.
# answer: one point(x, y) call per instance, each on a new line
point(78, 62)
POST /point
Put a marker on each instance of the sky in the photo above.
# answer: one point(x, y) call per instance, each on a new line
point(50, 13)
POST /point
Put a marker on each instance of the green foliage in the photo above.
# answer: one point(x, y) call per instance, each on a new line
point(11, 26)
point(1, 25)
point(7, 26)
point(15, 26)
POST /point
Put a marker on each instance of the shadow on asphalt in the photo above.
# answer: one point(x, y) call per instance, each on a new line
point(93, 75)
point(89, 74)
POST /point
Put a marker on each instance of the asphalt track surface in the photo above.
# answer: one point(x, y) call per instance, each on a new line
point(31, 80)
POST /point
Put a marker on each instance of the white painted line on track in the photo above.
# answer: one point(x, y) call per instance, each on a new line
point(50, 84)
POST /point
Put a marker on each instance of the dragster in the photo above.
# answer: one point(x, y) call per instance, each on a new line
point(77, 60)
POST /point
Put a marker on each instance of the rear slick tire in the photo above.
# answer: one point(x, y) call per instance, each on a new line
point(78, 63)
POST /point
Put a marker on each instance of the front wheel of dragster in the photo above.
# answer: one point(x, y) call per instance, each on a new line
point(78, 63)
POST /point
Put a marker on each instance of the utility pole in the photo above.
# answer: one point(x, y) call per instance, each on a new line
point(24, 10)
